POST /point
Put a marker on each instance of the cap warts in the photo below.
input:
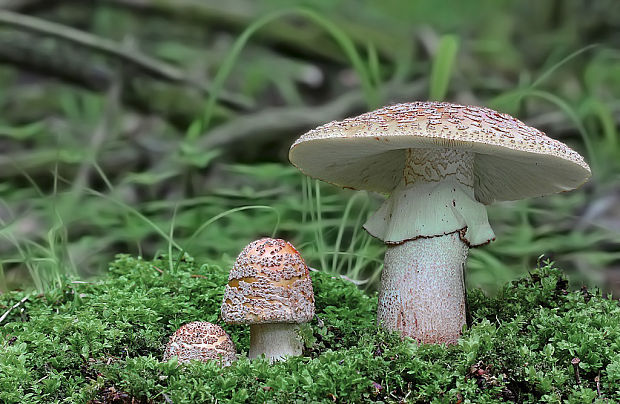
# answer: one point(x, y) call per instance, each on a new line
point(268, 283)
point(201, 341)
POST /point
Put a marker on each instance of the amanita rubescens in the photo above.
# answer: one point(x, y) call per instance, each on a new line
point(269, 288)
point(440, 163)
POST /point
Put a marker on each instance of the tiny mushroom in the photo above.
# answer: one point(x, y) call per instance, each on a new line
point(440, 163)
point(201, 341)
point(269, 287)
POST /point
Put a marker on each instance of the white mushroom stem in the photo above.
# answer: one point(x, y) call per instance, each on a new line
point(428, 223)
point(275, 341)
point(422, 290)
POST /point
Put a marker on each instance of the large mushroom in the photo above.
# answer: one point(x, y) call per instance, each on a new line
point(269, 288)
point(440, 163)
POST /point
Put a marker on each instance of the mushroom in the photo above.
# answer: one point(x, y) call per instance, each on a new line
point(440, 163)
point(201, 341)
point(269, 287)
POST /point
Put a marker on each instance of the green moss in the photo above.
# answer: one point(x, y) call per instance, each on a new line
point(103, 341)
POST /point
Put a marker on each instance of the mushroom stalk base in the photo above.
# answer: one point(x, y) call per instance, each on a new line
point(428, 223)
point(275, 341)
point(422, 289)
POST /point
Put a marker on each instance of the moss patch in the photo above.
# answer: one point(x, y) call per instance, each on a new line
point(103, 341)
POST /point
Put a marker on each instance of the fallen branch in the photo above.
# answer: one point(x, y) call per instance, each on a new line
point(40, 162)
point(20, 4)
point(72, 66)
point(103, 45)
point(288, 35)
point(23, 52)
point(271, 123)
point(149, 65)
point(86, 39)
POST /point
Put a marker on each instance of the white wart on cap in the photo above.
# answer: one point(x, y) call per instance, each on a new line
point(440, 163)
point(269, 288)
point(201, 341)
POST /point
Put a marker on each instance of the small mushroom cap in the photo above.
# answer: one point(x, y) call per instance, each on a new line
point(269, 283)
point(201, 341)
point(512, 160)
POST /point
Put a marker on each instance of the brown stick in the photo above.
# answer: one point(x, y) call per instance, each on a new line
point(287, 35)
point(272, 123)
point(16, 5)
point(73, 66)
point(149, 65)
point(86, 39)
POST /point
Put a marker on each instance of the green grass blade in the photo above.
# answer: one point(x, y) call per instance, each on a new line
point(442, 67)
point(190, 240)
point(547, 73)
point(171, 237)
point(137, 213)
point(374, 67)
point(571, 113)
point(231, 211)
point(341, 228)
point(337, 34)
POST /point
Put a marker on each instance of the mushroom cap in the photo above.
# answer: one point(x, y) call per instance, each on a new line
point(512, 160)
point(269, 283)
point(201, 341)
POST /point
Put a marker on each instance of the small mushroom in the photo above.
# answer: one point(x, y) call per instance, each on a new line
point(269, 287)
point(440, 163)
point(201, 341)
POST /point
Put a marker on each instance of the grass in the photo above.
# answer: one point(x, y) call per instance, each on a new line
point(104, 340)
point(345, 43)
point(442, 66)
point(85, 176)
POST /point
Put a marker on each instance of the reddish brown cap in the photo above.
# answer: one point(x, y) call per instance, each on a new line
point(512, 160)
point(201, 341)
point(269, 283)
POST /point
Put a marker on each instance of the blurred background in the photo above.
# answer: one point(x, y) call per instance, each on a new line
point(162, 126)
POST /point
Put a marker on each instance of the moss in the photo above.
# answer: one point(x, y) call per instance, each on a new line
point(103, 341)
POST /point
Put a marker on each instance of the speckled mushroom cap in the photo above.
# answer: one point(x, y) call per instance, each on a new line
point(201, 341)
point(512, 160)
point(269, 283)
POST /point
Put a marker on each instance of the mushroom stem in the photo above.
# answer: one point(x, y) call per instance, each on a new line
point(422, 289)
point(274, 340)
point(428, 223)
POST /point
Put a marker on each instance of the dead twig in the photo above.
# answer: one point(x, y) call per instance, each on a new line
point(287, 35)
point(271, 123)
point(73, 66)
point(86, 39)
point(20, 4)
point(16, 305)
point(36, 162)
point(132, 56)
